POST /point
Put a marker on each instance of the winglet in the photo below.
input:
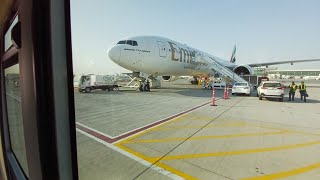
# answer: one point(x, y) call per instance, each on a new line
point(233, 56)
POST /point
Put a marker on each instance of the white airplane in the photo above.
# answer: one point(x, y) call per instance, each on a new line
point(158, 56)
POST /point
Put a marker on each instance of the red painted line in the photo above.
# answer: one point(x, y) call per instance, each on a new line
point(95, 134)
point(112, 140)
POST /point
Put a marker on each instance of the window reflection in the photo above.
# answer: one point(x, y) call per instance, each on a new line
point(14, 111)
point(7, 37)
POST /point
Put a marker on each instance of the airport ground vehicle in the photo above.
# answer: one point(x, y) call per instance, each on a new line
point(242, 88)
point(90, 82)
point(252, 79)
point(270, 89)
point(255, 80)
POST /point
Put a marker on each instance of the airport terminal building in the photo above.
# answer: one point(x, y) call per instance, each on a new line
point(276, 73)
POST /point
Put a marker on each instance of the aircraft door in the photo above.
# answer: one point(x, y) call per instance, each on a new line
point(162, 49)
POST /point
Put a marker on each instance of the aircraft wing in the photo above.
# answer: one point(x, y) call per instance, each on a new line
point(282, 62)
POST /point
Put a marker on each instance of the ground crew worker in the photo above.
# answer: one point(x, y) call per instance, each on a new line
point(147, 86)
point(140, 85)
point(303, 91)
point(292, 91)
point(204, 83)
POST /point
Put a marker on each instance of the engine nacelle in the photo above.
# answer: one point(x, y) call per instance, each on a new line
point(243, 70)
point(169, 78)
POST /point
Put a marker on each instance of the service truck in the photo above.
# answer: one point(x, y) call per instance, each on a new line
point(254, 80)
point(89, 82)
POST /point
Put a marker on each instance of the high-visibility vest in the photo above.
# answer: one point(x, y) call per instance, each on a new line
point(293, 87)
point(303, 87)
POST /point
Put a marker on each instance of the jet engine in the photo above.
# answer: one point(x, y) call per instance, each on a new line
point(243, 70)
point(169, 78)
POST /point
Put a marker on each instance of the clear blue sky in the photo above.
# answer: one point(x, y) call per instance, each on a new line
point(270, 30)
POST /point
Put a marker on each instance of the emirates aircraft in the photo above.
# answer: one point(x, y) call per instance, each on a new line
point(158, 56)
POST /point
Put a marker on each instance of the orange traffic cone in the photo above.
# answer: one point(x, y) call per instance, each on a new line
point(213, 95)
point(225, 93)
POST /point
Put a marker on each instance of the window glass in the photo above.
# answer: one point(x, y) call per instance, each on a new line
point(14, 111)
point(135, 43)
point(129, 42)
point(241, 84)
point(272, 85)
point(157, 119)
point(7, 37)
point(121, 42)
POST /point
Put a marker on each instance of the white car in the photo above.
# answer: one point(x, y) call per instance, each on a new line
point(270, 89)
point(241, 88)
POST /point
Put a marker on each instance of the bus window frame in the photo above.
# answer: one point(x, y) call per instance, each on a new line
point(51, 151)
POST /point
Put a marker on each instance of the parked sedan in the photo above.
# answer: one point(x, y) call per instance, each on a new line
point(270, 89)
point(241, 88)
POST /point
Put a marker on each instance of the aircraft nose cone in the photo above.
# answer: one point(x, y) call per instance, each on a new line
point(114, 53)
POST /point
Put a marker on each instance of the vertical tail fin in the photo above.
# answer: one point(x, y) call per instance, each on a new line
point(233, 56)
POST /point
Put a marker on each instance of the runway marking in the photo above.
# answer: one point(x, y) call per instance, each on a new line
point(196, 127)
point(245, 151)
point(286, 173)
point(111, 139)
point(154, 160)
point(151, 129)
point(205, 137)
point(150, 160)
point(159, 167)
point(80, 126)
point(136, 158)
point(275, 128)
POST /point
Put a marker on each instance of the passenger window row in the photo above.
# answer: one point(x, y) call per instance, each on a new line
point(130, 42)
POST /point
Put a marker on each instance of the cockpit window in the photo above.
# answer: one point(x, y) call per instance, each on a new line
point(121, 42)
point(135, 43)
point(129, 42)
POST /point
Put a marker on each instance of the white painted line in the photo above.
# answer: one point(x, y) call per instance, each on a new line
point(141, 161)
point(94, 130)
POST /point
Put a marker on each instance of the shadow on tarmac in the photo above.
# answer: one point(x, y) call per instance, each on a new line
point(200, 93)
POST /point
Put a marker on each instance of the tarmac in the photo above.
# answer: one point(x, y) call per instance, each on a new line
point(174, 133)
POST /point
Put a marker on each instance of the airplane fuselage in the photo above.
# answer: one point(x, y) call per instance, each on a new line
point(163, 57)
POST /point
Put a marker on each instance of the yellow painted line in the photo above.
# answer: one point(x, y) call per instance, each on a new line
point(152, 161)
point(119, 145)
point(204, 137)
point(197, 127)
point(246, 151)
point(202, 119)
point(274, 128)
point(153, 128)
point(177, 172)
point(286, 173)
point(282, 129)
